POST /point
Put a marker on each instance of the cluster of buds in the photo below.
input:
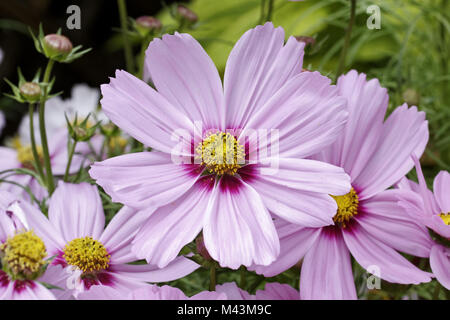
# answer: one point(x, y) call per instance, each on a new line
point(147, 25)
point(29, 91)
point(81, 131)
point(57, 47)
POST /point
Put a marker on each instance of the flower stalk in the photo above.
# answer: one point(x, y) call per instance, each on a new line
point(126, 43)
point(348, 35)
point(33, 143)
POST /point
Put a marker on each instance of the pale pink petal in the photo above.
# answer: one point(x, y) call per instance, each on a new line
point(233, 292)
point(327, 270)
point(405, 132)
point(178, 268)
point(277, 291)
point(59, 154)
point(257, 67)
point(171, 227)
point(442, 191)
point(76, 211)
point(386, 220)
point(373, 254)
point(144, 179)
point(295, 241)
point(209, 295)
point(298, 190)
point(238, 229)
point(440, 264)
point(8, 159)
point(186, 76)
point(104, 293)
point(142, 112)
point(307, 113)
point(367, 104)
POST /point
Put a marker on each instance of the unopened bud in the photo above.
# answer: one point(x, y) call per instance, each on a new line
point(201, 249)
point(307, 40)
point(57, 44)
point(31, 91)
point(148, 23)
point(411, 97)
point(187, 13)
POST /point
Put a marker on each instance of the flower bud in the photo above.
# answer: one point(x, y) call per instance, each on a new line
point(201, 249)
point(186, 14)
point(146, 24)
point(31, 91)
point(57, 44)
point(411, 97)
point(307, 40)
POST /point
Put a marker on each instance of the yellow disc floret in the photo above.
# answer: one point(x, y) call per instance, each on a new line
point(347, 208)
point(23, 254)
point(87, 254)
point(446, 218)
point(25, 154)
point(221, 153)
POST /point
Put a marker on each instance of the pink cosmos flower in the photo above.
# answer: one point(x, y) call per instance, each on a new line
point(369, 224)
point(23, 256)
point(224, 191)
point(85, 254)
point(431, 211)
point(148, 292)
point(272, 291)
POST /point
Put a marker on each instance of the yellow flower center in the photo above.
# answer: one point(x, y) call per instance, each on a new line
point(87, 254)
point(347, 208)
point(23, 254)
point(25, 154)
point(446, 218)
point(221, 153)
point(117, 142)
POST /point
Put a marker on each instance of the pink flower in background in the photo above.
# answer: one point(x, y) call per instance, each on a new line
point(264, 88)
point(272, 291)
point(85, 253)
point(2, 122)
point(431, 210)
point(148, 292)
point(369, 224)
point(23, 256)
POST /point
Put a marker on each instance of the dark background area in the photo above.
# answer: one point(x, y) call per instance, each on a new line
point(99, 19)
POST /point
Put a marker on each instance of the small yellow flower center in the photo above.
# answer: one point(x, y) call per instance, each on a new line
point(23, 254)
point(25, 154)
point(221, 153)
point(446, 218)
point(347, 208)
point(87, 254)
point(117, 142)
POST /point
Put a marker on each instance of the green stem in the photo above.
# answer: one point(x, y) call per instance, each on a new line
point(69, 162)
point(263, 9)
point(126, 43)
point(144, 46)
point(44, 143)
point(37, 161)
point(212, 277)
point(269, 11)
point(348, 36)
point(243, 282)
point(437, 290)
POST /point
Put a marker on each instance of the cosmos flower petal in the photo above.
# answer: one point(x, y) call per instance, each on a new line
point(371, 253)
point(307, 113)
point(178, 268)
point(441, 189)
point(31, 291)
point(233, 292)
point(257, 67)
point(295, 241)
point(385, 220)
point(238, 229)
point(171, 227)
point(327, 270)
point(440, 264)
point(8, 159)
point(186, 76)
point(145, 179)
point(405, 132)
point(367, 104)
point(142, 112)
point(59, 154)
point(2, 122)
point(104, 293)
point(277, 291)
point(77, 217)
point(120, 232)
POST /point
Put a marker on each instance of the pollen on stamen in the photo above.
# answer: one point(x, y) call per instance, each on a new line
point(221, 153)
point(347, 208)
point(446, 218)
point(87, 254)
